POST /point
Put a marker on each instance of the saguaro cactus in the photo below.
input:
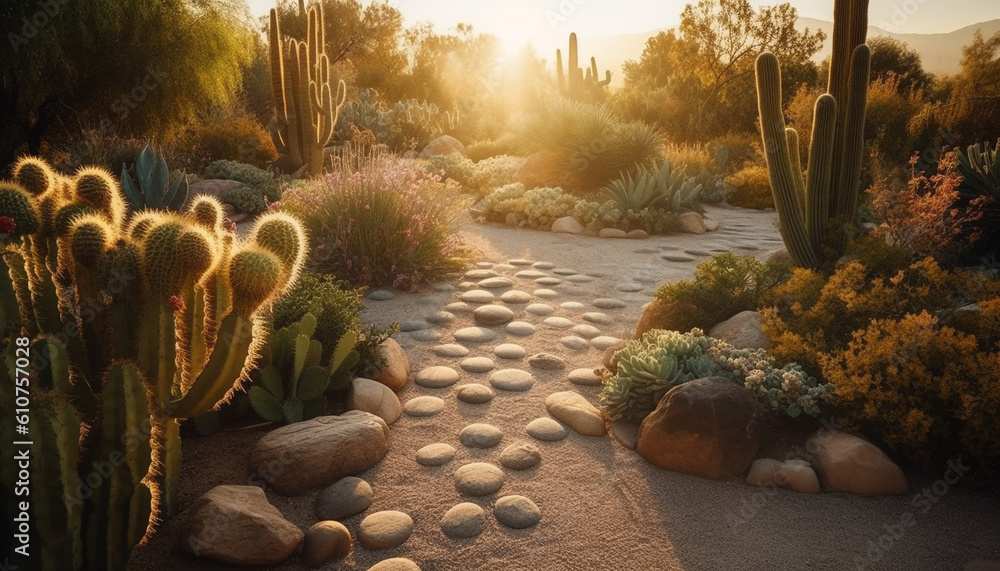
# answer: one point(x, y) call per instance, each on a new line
point(573, 83)
point(815, 217)
point(305, 108)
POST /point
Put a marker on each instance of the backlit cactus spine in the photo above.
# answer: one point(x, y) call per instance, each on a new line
point(815, 217)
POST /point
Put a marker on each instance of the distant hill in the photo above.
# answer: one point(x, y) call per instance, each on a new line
point(941, 53)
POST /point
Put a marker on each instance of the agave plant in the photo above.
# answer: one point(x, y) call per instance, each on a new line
point(154, 187)
point(664, 187)
point(980, 169)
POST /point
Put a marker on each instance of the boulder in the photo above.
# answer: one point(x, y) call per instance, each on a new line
point(657, 314)
point(691, 223)
point(707, 427)
point(742, 331)
point(846, 463)
point(326, 541)
point(612, 233)
point(238, 526)
point(212, 187)
point(299, 457)
point(577, 412)
point(795, 475)
point(568, 225)
point(637, 234)
point(443, 145)
point(396, 371)
point(544, 169)
point(376, 398)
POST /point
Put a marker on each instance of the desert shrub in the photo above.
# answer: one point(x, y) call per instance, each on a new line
point(695, 158)
point(380, 220)
point(495, 171)
point(506, 144)
point(239, 139)
point(750, 188)
point(650, 366)
point(244, 200)
point(742, 149)
point(454, 166)
point(723, 286)
point(980, 189)
point(96, 148)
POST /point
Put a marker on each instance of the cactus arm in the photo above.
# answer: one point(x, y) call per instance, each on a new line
point(792, 136)
point(852, 151)
point(158, 348)
point(278, 93)
point(820, 169)
point(55, 452)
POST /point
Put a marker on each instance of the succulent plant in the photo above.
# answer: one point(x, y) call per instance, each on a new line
point(154, 186)
point(662, 186)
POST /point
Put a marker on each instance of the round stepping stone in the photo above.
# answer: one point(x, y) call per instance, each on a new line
point(515, 297)
point(584, 378)
point(440, 318)
point(564, 271)
point(540, 309)
point(478, 364)
point(603, 343)
point(484, 265)
point(381, 295)
point(423, 406)
point(395, 564)
point(697, 253)
point(504, 267)
point(475, 335)
point(546, 294)
point(546, 362)
point(478, 479)
point(572, 305)
point(443, 287)
point(509, 351)
point(496, 283)
point(435, 454)
point(325, 541)
point(492, 314)
point(475, 394)
point(437, 377)
point(458, 307)
point(466, 286)
point(517, 512)
point(342, 499)
point(530, 274)
point(546, 430)
point(519, 262)
point(575, 343)
point(609, 303)
point(586, 331)
point(426, 335)
point(463, 521)
point(413, 325)
point(430, 300)
point(543, 265)
point(453, 350)
point(558, 322)
point(385, 530)
point(481, 274)
point(647, 251)
point(514, 380)
point(677, 258)
point(629, 287)
point(520, 456)
point(576, 411)
point(480, 435)
point(598, 318)
point(477, 296)
point(580, 279)
point(548, 281)
point(520, 328)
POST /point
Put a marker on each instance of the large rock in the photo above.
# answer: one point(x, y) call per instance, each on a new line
point(846, 463)
point(443, 145)
point(545, 169)
point(706, 427)
point(742, 331)
point(396, 371)
point(237, 525)
point(795, 475)
point(658, 314)
point(568, 225)
point(299, 457)
point(212, 187)
point(691, 223)
point(376, 398)
point(577, 412)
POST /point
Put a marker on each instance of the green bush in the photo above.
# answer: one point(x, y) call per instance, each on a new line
point(239, 139)
point(244, 200)
point(260, 179)
point(750, 188)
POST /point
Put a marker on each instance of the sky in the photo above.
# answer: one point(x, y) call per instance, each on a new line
point(547, 23)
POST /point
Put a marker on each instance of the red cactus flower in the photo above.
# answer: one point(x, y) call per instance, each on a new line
point(7, 225)
point(175, 302)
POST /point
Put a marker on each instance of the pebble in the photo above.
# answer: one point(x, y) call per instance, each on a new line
point(540, 309)
point(530, 274)
point(484, 265)
point(574, 343)
point(629, 287)
point(381, 295)
point(324, 542)
point(490, 315)
point(546, 429)
point(385, 530)
point(609, 303)
point(564, 271)
point(453, 350)
point(604, 342)
point(437, 377)
point(509, 351)
point(478, 364)
point(458, 307)
point(423, 406)
point(435, 454)
point(520, 456)
point(572, 305)
point(475, 394)
point(584, 377)
point(477, 296)
point(463, 521)
point(475, 335)
point(342, 499)
point(515, 297)
point(545, 293)
point(514, 380)
point(676, 258)
point(478, 479)
point(598, 317)
point(520, 328)
point(519, 262)
point(558, 322)
point(546, 362)
point(548, 281)
point(427, 335)
point(543, 265)
point(580, 279)
point(517, 512)
point(441, 318)
point(586, 331)
point(480, 435)
point(496, 283)
point(612, 233)
point(481, 274)
point(395, 564)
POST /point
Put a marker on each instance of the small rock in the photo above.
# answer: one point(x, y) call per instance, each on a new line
point(577, 412)
point(477, 364)
point(490, 315)
point(510, 351)
point(609, 303)
point(496, 283)
point(477, 296)
point(396, 371)
point(342, 499)
point(450, 350)
point(481, 274)
point(413, 325)
point(572, 305)
point(546, 429)
point(520, 328)
point(637, 234)
point(381, 295)
point(480, 435)
point(458, 307)
point(426, 335)
point(437, 377)
point(478, 479)
point(711, 224)
point(846, 463)
point(691, 223)
point(440, 318)
point(603, 343)
point(385, 530)
point(546, 362)
point(548, 281)
point(540, 309)
point(567, 225)
point(520, 456)
point(474, 394)
point(395, 564)
point(475, 335)
point(463, 520)
point(374, 397)
point(423, 406)
point(612, 233)
point(629, 287)
point(558, 322)
point(517, 512)
point(543, 265)
point(515, 297)
point(584, 377)
point(574, 343)
point(598, 318)
point(514, 380)
point(326, 541)
point(546, 293)
point(435, 454)
point(519, 262)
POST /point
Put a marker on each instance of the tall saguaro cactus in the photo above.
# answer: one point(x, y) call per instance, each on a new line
point(305, 107)
point(815, 216)
point(573, 83)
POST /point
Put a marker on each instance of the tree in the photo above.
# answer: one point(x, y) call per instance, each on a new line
point(893, 57)
point(127, 66)
point(973, 108)
point(707, 63)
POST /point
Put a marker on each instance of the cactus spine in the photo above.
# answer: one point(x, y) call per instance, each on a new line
point(305, 107)
point(573, 83)
point(815, 217)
